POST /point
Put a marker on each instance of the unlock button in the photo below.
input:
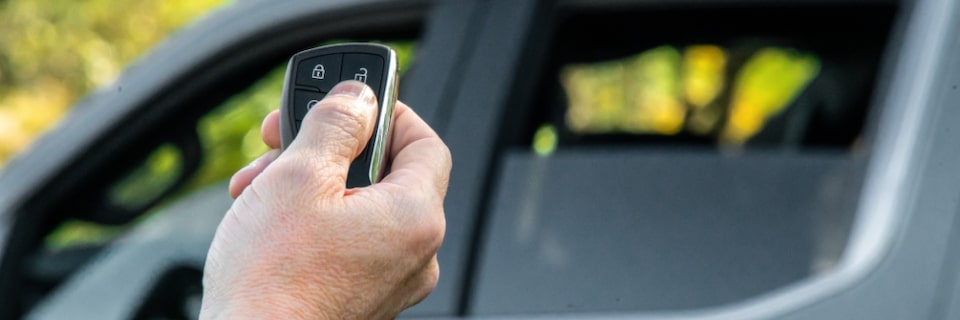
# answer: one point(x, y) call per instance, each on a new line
point(366, 68)
point(321, 72)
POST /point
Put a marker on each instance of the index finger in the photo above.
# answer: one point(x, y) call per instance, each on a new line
point(270, 129)
point(420, 158)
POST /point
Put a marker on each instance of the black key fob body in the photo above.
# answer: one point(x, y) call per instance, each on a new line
point(310, 76)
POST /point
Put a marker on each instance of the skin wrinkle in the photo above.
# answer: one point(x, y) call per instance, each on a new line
point(320, 171)
point(246, 175)
point(373, 198)
point(295, 278)
point(355, 126)
point(354, 121)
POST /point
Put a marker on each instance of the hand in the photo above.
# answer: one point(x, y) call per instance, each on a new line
point(296, 244)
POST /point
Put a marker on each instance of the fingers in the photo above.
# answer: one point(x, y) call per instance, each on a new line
point(270, 129)
point(335, 131)
point(244, 176)
point(421, 161)
point(408, 127)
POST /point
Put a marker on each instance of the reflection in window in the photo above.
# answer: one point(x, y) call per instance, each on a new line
point(666, 91)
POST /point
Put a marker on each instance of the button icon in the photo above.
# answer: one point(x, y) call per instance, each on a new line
point(318, 72)
point(361, 76)
point(312, 103)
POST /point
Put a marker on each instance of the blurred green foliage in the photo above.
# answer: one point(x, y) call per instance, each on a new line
point(159, 170)
point(666, 90)
point(54, 52)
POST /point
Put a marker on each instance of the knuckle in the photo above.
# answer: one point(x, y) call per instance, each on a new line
point(344, 114)
point(430, 279)
point(435, 232)
point(428, 235)
point(424, 284)
point(444, 156)
point(446, 165)
point(445, 150)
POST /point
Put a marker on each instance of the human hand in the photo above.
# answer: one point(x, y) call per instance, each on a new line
point(297, 244)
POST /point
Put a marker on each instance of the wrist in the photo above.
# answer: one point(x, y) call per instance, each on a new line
point(258, 302)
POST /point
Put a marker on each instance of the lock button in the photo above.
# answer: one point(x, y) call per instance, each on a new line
point(366, 68)
point(320, 72)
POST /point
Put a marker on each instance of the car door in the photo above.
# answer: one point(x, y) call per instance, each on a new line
point(546, 219)
point(159, 109)
point(584, 212)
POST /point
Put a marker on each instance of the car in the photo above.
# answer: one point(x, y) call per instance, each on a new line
point(614, 159)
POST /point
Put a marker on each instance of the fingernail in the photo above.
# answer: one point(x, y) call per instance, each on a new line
point(354, 89)
point(348, 88)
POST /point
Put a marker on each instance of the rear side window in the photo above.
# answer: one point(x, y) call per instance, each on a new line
point(681, 157)
point(740, 77)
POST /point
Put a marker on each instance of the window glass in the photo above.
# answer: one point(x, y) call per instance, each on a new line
point(667, 90)
point(712, 150)
point(716, 77)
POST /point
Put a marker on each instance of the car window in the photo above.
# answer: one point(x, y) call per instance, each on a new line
point(700, 157)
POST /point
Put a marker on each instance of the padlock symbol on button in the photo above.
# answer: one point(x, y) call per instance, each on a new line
point(318, 72)
point(361, 76)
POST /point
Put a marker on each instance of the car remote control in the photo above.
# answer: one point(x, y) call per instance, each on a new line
point(312, 73)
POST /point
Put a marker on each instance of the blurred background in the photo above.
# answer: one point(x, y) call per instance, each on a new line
point(722, 136)
point(52, 53)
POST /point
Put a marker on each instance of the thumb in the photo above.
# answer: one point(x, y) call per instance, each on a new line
point(335, 131)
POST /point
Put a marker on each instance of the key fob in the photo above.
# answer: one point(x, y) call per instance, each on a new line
point(310, 76)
